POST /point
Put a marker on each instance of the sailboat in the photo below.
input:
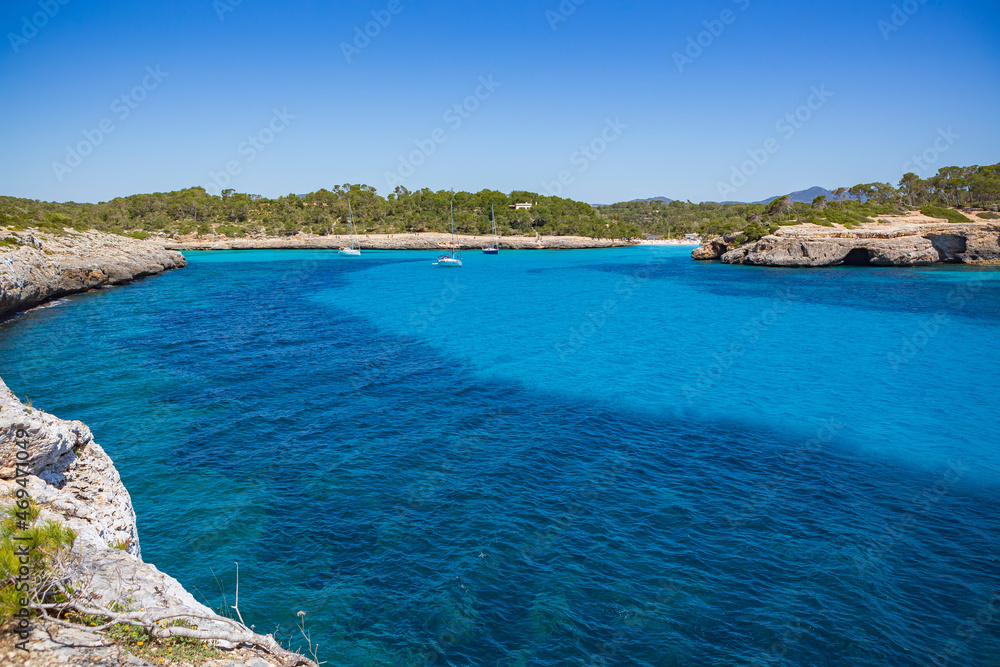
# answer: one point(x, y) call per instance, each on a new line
point(453, 258)
point(494, 247)
point(350, 250)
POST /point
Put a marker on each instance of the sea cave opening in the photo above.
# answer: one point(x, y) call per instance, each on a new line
point(858, 257)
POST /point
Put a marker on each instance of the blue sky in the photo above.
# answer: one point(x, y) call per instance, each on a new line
point(261, 96)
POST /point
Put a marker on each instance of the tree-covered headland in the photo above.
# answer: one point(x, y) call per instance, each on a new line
point(235, 214)
point(973, 188)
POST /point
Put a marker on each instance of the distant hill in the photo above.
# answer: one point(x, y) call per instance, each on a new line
point(665, 200)
point(805, 196)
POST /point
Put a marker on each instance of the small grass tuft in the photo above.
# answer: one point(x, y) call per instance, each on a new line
point(141, 643)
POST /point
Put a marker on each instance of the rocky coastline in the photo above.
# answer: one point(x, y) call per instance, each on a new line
point(423, 241)
point(37, 266)
point(911, 240)
point(74, 482)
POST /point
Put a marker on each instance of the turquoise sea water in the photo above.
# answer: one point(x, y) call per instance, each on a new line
point(584, 457)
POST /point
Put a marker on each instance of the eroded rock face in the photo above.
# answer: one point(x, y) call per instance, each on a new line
point(796, 252)
point(74, 482)
point(47, 266)
point(982, 245)
point(70, 473)
point(903, 252)
point(948, 245)
point(714, 248)
point(909, 246)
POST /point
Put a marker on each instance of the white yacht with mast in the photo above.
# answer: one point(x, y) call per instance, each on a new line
point(350, 250)
point(494, 247)
point(454, 258)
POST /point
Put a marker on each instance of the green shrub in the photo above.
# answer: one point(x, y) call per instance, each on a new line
point(949, 214)
point(10, 242)
point(988, 216)
point(754, 232)
point(56, 222)
point(45, 543)
point(848, 218)
point(19, 529)
point(232, 231)
point(814, 219)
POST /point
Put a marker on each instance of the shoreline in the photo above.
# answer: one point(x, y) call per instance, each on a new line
point(47, 266)
point(909, 240)
point(408, 241)
point(74, 482)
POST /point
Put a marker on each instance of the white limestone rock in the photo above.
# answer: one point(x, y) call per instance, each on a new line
point(48, 266)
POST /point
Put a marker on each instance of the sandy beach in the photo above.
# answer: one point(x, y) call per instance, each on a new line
point(677, 242)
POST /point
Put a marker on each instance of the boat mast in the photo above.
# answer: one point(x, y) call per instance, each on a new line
point(351, 213)
point(452, 227)
point(493, 219)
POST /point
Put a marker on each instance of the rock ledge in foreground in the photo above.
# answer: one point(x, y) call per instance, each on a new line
point(74, 482)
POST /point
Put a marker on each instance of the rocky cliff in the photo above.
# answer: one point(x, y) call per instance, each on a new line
point(898, 243)
point(74, 482)
point(38, 266)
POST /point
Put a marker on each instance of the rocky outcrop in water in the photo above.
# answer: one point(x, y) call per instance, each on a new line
point(715, 248)
point(870, 245)
point(38, 266)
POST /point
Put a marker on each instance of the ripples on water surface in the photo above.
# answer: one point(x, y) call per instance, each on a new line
point(554, 458)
